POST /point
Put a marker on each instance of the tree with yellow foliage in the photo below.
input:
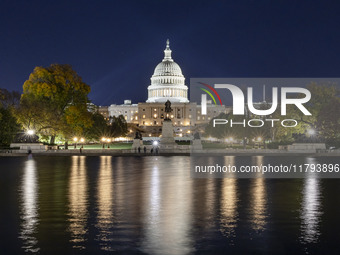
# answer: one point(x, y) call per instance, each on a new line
point(54, 102)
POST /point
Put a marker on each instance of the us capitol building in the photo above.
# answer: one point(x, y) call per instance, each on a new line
point(167, 83)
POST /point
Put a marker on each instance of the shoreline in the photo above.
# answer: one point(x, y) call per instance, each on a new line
point(203, 153)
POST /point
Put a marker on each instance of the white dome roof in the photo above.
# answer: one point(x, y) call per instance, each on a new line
point(168, 68)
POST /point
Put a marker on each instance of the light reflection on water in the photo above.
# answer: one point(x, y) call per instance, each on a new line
point(151, 205)
point(311, 207)
point(105, 217)
point(258, 204)
point(29, 209)
point(168, 211)
point(259, 199)
point(78, 202)
point(229, 214)
point(229, 202)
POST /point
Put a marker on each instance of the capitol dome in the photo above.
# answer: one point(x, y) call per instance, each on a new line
point(167, 82)
point(168, 67)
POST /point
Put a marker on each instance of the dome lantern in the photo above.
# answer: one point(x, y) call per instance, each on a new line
point(167, 52)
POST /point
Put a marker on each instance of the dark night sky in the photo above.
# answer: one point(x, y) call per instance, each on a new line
point(115, 45)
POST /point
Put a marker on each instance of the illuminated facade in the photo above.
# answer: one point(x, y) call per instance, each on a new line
point(167, 83)
point(128, 110)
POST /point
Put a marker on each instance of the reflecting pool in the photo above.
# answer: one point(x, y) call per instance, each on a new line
point(151, 205)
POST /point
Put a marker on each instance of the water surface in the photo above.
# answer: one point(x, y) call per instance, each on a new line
point(150, 205)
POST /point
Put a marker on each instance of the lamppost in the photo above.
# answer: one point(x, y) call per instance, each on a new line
point(155, 146)
point(103, 141)
point(82, 140)
point(30, 134)
point(259, 140)
point(108, 140)
point(75, 140)
point(231, 140)
point(312, 133)
point(227, 142)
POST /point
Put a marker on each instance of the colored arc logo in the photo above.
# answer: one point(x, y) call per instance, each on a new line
point(209, 93)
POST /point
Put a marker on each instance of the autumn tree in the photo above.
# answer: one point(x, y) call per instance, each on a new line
point(118, 126)
point(54, 102)
point(324, 98)
point(328, 123)
point(99, 129)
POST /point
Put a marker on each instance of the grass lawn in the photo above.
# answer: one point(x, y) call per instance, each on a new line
point(183, 142)
point(115, 146)
point(223, 146)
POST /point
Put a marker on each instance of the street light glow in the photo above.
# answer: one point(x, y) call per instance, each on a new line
point(30, 132)
point(155, 143)
point(311, 132)
point(82, 140)
point(75, 139)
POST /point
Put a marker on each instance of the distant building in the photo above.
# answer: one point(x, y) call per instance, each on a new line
point(128, 110)
point(103, 110)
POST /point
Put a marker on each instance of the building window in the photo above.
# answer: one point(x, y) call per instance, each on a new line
point(155, 110)
point(198, 117)
point(189, 116)
point(136, 118)
point(143, 122)
point(143, 110)
point(143, 116)
point(155, 123)
point(125, 117)
point(155, 116)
